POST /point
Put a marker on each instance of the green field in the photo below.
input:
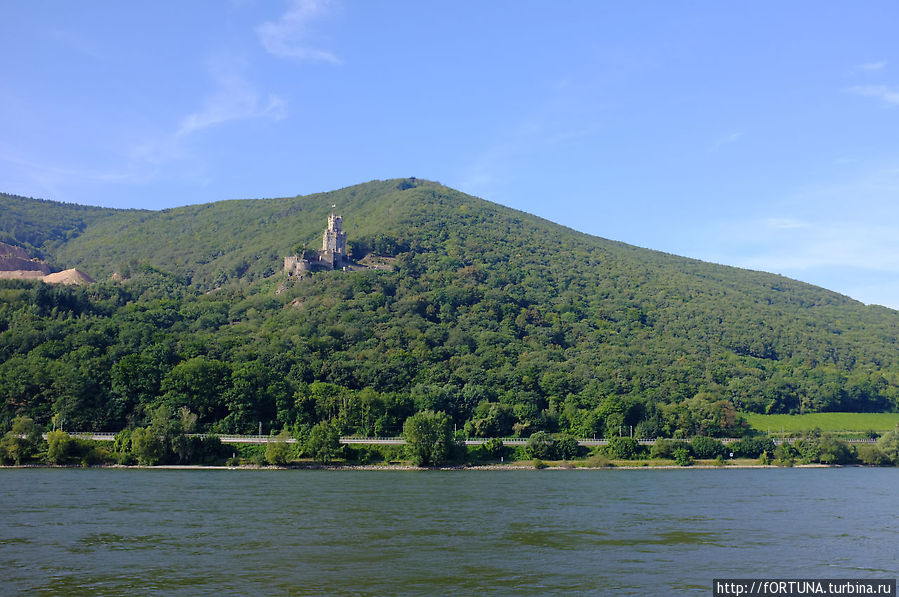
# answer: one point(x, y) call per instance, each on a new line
point(832, 422)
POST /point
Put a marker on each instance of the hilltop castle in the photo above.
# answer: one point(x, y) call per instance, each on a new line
point(333, 254)
point(334, 243)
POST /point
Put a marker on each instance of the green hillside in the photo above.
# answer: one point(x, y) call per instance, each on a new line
point(41, 226)
point(509, 323)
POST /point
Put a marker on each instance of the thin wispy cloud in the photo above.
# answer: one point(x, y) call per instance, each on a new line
point(831, 234)
point(233, 99)
point(291, 36)
point(873, 66)
point(888, 95)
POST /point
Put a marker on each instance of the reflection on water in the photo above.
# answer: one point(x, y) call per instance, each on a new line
point(115, 531)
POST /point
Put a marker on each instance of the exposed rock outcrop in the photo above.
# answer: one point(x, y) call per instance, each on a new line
point(16, 264)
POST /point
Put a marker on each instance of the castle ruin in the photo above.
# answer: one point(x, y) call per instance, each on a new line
point(334, 243)
point(333, 254)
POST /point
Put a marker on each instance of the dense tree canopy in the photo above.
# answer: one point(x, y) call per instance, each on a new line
point(505, 322)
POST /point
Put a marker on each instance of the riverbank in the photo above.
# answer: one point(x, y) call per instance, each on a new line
point(406, 467)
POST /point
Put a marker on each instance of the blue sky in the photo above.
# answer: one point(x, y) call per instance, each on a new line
point(762, 135)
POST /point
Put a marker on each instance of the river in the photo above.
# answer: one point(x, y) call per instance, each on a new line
point(522, 532)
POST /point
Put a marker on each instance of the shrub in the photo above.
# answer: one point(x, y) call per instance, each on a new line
point(323, 442)
point(567, 448)
point(751, 447)
point(364, 454)
point(21, 443)
point(493, 447)
point(682, 457)
point(625, 448)
point(277, 451)
point(147, 446)
point(541, 445)
point(834, 451)
point(889, 445)
point(664, 448)
point(872, 456)
point(786, 454)
point(598, 461)
point(825, 449)
point(59, 447)
point(707, 448)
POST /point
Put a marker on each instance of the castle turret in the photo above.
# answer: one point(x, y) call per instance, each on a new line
point(334, 238)
point(334, 243)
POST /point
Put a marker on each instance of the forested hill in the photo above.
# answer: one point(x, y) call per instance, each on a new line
point(40, 226)
point(508, 322)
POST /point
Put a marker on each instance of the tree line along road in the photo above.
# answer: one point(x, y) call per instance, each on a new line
point(396, 441)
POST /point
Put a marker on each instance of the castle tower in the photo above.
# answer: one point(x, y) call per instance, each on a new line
point(334, 243)
point(334, 238)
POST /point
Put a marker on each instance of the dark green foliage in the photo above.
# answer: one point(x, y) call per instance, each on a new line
point(707, 448)
point(567, 448)
point(494, 448)
point(751, 447)
point(785, 454)
point(509, 324)
point(625, 448)
point(40, 226)
point(323, 442)
point(815, 447)
point(371, 454)
point(541, 445)
point(428, 438)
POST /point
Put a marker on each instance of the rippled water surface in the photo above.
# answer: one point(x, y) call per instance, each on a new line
point(190, 532)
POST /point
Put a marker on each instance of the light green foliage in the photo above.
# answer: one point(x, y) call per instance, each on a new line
point(832, 422)
point(598, 460)
point(889, 445)
point(682, 456)
point(664, 448)
point(147, 446)
point(872, 456)
point(428, 437)
point(59, 447)
point(277, 450)
point(21, 442)
point(493, 447)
